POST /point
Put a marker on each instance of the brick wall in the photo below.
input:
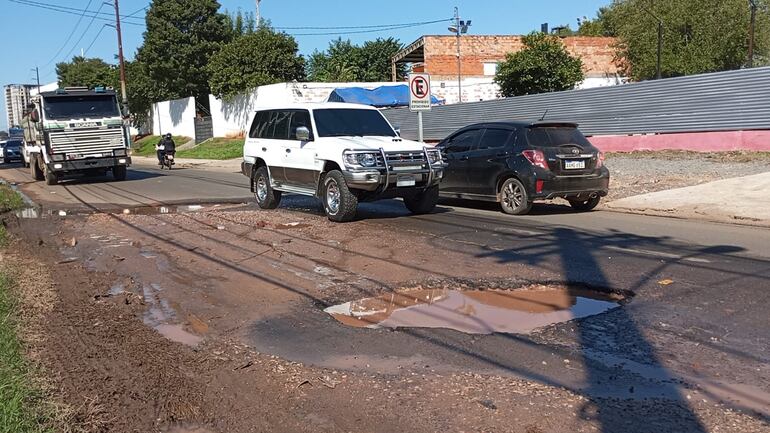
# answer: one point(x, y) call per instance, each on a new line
point(441, 53)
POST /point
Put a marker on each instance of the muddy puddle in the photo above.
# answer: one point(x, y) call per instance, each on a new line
point(519, 311)
point(160, 315)
point(36, 212)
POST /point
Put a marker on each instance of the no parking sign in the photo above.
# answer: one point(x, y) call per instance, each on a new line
point(419, 92)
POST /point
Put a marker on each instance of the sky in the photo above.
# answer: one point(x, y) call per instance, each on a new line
point(36, 36)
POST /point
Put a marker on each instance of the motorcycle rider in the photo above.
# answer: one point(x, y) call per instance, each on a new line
point(164, 146)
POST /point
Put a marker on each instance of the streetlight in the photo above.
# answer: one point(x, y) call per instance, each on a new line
point(660, 40)
point(459, 28)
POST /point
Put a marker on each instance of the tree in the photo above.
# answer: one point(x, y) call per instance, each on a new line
point(699, 36)
point(90, 73)
point(544, 65)
point(181, 37)
point(343, 61)
point(255, 59)
point(602, 25)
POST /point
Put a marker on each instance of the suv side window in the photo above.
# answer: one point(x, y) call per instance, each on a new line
point(463, 142)
point(299, 118)
point(278, 126)
point(258, 125)
point(495, 138)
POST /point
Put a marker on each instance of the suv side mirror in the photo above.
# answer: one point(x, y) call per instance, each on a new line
point(302, 133)
point(398, 131)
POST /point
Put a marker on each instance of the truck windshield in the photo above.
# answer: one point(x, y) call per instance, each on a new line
point(80, 107)
point(554, 136)
point(347, 122)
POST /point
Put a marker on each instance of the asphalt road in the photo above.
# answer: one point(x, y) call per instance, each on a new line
point(708, 326)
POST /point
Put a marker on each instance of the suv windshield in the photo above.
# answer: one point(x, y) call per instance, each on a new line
point(12, 144)
point(77, 107)
point(342, 122)
point(554, 136)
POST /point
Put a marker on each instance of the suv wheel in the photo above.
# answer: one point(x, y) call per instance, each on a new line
point(422, 202)
point(585, 205)
point(339, 203)
point(514, 198)
point(267, 197)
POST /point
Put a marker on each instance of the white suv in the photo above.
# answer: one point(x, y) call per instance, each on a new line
point(340, 153)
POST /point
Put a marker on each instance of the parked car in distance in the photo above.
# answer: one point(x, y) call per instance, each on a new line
point(517, 163)
point(341, 153)
point(12, 151)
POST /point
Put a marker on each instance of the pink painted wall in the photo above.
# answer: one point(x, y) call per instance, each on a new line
point(696, 141)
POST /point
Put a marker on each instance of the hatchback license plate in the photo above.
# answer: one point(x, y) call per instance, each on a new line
point(574, 165)
point(405, 181)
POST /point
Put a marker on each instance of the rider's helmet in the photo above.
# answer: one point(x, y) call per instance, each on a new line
point(167, 136)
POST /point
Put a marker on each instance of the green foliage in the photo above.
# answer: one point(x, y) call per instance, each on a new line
point(9, 199)
point(241, 23)
point(603, 25)
point(216, 148)
point(699, 36)
point(87, 72)
point(145, 146)
point(21, 405)
point(544, 65)
point(344, 62)
point(181, 37)
point(255, 59)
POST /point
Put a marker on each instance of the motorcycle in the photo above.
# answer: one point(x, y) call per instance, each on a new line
point(168, 160)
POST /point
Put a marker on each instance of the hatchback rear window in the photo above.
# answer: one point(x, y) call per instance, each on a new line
point(555, 136)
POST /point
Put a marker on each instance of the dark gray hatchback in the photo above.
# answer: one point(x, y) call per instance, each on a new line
point(516, 163)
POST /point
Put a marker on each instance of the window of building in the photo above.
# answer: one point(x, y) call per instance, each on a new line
point(490, 68)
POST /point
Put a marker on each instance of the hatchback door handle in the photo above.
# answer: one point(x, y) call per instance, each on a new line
point(503, 154)
point(463, 158)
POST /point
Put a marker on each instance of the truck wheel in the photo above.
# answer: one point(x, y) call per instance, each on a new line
point(119, 172)
point(51, 178)
point(585, 205)
point(35, 170)
point(267, 197)
point(339, 203)
point(6, 160)
point(514, 198)
point(422, 202)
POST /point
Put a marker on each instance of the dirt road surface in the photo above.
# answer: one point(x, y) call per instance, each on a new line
point(211, 318)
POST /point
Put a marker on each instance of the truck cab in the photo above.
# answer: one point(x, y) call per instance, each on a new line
point(78, 131)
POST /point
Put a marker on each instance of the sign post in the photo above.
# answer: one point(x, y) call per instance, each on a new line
point(419, 98)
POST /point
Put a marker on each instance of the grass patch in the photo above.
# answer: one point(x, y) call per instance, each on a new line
point(145, 146)
point(216, 148)
point(9, 199)
point(728, 156)
point(21, 405)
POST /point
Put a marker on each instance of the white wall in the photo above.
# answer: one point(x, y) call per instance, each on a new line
point(230, 117)
point(176, 117)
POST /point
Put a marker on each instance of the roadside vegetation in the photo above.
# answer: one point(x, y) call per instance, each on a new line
point(145, 146)
point(21, 403)
point(731, 156)
point(216, 148)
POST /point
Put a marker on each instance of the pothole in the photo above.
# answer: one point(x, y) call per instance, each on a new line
point(518, 311)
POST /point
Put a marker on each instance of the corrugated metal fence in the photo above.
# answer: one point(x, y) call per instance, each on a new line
point(723, 101)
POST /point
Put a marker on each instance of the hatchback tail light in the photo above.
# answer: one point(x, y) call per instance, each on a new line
point(536, 158)
point(599, 159)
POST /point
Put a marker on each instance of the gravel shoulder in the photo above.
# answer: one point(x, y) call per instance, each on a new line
point(645, 172)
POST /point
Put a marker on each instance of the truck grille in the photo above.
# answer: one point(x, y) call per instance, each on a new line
point(87, 142)
point(416, 158)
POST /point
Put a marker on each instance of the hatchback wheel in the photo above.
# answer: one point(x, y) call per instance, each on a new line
point(585, 205)
point(514, 198)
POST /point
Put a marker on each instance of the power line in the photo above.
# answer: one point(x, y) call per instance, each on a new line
point(399, 27)
point(72, 11)
point(69, 36)
point(137, 11)
point(95, 38)
point(365, 27)
point(88, 27)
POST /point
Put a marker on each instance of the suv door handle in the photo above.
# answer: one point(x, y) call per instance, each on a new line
point(264, 149)
point(288, 150)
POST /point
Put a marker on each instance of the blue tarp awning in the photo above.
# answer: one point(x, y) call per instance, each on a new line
point(384, 96)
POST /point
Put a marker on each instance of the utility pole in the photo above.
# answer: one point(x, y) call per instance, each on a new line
point(37, 75)
point(660, 41)
point(123, 93)
point(459, 61)
point(753, 6)
point(258, 16)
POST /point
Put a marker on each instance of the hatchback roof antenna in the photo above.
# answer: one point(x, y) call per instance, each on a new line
point(543, 116)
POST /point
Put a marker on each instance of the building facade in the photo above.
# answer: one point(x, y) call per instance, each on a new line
point(480, 55)
point(17, 96)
